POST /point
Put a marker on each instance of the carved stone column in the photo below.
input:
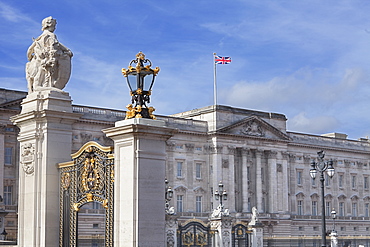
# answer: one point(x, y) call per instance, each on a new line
point(272, 182)
point(284, 191)
point(170, 231)
point(245, 181)
point(45, 138)
point(217, 164)
point(259, 194)
point(229, 178)
point(140, 156)
point(221, 227)
point(257, 235)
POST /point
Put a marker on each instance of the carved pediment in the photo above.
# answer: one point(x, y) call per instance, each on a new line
point(255, 127)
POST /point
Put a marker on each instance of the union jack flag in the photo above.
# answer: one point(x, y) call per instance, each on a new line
point(222, 60)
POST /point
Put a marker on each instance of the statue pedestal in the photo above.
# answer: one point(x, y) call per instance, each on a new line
point(139, 188)
point(221, 227)
point(45, 140)
point(333, 239)
point(257, 234)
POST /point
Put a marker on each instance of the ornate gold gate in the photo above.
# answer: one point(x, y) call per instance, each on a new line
point(87, 179)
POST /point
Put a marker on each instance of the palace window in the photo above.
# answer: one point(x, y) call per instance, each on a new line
point(354, 182)
point(8, 156)
point(341, 209)
point(180, 203)
point(300, 207)
point(354, 209)
point(8, 195)
point(314, 208)
point(366, 183)
point(340, 180)
point(198, 170)
point(366, 209)
point(180, 169)
point(299, 177)
point(327, 208)
point(198, 204)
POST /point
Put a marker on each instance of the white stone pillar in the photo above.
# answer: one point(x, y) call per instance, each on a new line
point(334, 239)
point(140, 155)
point(272, 182)
point(222, 231)
point(45, 138)
point(2, 160)
point(283, 191)
point(259, 179)
point(257, 236)
point(171, 231)
point(229, 181)
point(245, 181)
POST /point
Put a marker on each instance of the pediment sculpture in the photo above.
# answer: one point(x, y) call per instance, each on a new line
point(49, 65)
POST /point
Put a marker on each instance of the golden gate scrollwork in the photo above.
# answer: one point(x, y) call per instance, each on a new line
point(89, 177)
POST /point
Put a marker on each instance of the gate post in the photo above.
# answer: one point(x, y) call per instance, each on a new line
point(257, 229)
point(171, 230)
point(221, 227)
point(139, 190)
point(45, 138)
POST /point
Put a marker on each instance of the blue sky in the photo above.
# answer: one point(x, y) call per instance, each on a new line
point(308, 59)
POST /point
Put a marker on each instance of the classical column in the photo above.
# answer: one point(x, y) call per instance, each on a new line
point(139, 203)
point(272, 182)
point(259, 179)
point(284, 177)
point(2, 158)
point(217, 164)
point(45, 138)
point(245, 181)
point(229, 181)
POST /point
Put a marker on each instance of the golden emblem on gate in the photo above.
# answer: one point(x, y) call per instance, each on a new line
point(90, 175)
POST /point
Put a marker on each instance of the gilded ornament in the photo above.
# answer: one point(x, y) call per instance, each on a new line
point(124, 72)
point(90, 175)
point(66, 180)
point(76, 206)
point(151, 110)
point(156, 70)
point(89, 197)
point(105, 203)
point(140, 55)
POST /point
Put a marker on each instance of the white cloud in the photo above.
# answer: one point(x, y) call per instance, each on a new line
point(313, 100)
point(316, 125)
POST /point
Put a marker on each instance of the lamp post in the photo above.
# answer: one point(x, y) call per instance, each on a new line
point(322, 166)
point(221, 194)
point(333, 216)
point(140, 79)
point(168, 194)
point(333, 234)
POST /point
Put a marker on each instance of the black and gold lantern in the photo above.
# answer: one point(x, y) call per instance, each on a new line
point(140, 79)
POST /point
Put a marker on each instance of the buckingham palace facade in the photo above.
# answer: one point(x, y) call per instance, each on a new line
point(260, 163)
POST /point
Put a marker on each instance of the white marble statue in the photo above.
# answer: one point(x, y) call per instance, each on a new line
point(255, 214)
point(49, 63)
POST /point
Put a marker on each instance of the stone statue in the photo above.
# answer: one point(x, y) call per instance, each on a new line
point(49, 63)
point(255, 214)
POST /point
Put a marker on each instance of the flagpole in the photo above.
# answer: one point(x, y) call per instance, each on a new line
point(214, 81)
